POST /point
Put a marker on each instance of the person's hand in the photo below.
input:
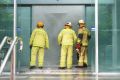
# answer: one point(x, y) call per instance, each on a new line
point(30, 46)
point(60, 44)
point(46, 48)
point(78, 51)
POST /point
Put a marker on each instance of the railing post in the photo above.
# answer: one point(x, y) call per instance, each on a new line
point(96, 38)
point(3, 42)
point(14, 35)
point(12, 77)
point(0, 61)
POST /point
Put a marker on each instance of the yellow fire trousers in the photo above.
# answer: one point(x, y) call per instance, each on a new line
point(34, 52)
point(83, 56)
point(66, 56)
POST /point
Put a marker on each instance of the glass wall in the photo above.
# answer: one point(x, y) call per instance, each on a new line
point(6, 18)
point(6, 26)
point(109, 31)
point(118, 29)
point(90, 21)
point(23, 31)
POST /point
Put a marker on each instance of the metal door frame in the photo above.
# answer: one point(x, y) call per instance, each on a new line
point(96, 32)
point(96, 39)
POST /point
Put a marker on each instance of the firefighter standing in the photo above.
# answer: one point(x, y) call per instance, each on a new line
point(82, 44)
point(38, 41)
point(66, 39)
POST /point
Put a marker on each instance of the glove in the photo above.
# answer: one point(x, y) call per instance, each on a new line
point(77, 47)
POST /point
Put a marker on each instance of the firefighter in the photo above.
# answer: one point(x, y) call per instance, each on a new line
point(38, 41)
point(82, 44)
point(66, 38)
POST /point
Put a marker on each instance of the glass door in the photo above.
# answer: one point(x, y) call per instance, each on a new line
point(109, 31)
point(54, 18)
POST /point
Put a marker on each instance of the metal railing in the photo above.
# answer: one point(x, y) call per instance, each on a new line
point(3, 42)
point(7, 55)
point(5, 39)
point(10, 52)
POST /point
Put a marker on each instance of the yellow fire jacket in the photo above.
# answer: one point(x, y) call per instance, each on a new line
point(83, 36)
point(39, 38)
point(67, 37)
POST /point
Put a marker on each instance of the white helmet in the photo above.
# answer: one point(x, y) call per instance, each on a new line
point(69, 24)
point(81, 21)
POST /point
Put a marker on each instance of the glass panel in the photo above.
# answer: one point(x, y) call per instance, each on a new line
point(109, 31)
point(90, 21)
point(23, 31)
point(6, 27)
point(6, 19)
point(118, 31)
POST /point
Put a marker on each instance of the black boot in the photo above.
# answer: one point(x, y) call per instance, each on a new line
point(62, 68)
point(85, 65)
point(32, 67)
point(79, 66)
point(40, 67)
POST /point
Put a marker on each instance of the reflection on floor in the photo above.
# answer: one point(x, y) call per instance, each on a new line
point(56, 74)
point(57, 71)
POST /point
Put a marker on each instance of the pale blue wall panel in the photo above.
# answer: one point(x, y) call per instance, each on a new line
point(56, 1)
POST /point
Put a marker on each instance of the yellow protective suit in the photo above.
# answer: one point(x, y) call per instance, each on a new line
point(39, 41)
point(83, 39)
point(66, 39)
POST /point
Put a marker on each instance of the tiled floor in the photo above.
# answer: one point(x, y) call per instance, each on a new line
point(62, 77)
point(56, 74)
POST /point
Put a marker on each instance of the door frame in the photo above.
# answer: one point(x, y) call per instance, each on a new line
point(96, 32)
